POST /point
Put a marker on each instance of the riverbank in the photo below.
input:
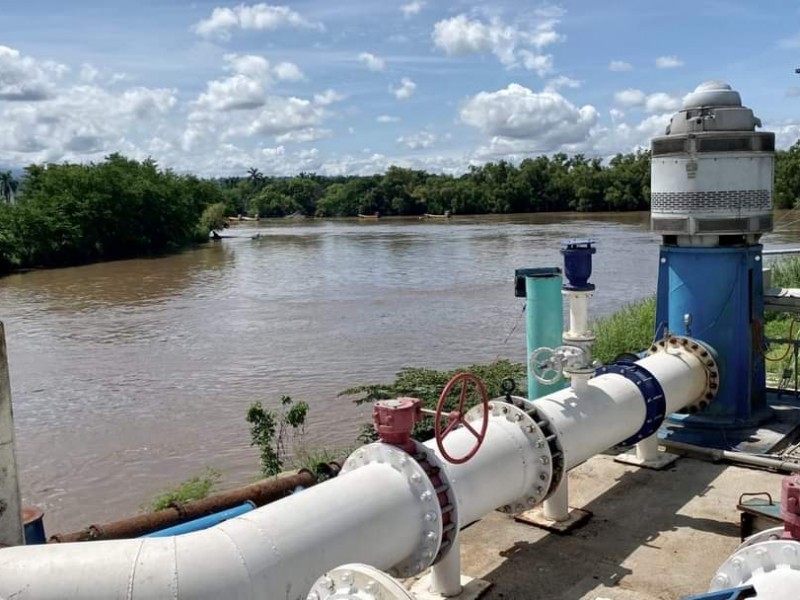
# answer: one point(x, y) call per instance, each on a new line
point(73, 214)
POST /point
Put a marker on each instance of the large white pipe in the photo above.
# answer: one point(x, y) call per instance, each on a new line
point(504, 470)
point(611, 408)
point(372, 514)
point(369, 515)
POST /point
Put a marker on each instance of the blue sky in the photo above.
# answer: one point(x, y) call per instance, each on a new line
point(352, 86)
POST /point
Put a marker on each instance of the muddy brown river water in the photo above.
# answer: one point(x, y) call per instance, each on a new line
point(130, 376)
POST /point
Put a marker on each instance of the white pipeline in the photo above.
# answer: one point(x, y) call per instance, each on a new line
point(276, 552)
point(612, 408)
point(374, 514)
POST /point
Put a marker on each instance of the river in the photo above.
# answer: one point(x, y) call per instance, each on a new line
point(130, 376)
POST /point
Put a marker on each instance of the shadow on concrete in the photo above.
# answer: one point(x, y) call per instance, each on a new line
point(632, 513)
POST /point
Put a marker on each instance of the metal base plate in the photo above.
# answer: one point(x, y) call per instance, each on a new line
point(471, 589)
point(577, 518)
point(664, 460)
point(758, 439)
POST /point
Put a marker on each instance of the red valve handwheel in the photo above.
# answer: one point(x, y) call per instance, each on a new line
point(456, 417)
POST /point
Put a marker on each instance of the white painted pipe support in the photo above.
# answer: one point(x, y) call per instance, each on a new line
point(556, 507)
point(446, 574)
point(647, 449)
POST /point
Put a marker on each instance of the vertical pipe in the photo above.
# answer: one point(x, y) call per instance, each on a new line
point(446, 574)
point(544, 319)
point(647, 449)
point(556, 507)
point(11, 531)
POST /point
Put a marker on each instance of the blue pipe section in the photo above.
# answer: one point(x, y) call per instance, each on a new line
point(715, 295)
point(655, 402)
point(204, 522)
point(544, 318)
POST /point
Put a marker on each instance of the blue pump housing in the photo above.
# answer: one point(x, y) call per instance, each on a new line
point(715, 295)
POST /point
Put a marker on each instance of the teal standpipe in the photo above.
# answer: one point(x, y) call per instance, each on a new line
point(544, 319)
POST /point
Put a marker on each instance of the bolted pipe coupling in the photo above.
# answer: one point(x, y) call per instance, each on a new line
point(705, 354)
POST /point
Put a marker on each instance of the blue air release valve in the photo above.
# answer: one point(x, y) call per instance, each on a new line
point(578, 264)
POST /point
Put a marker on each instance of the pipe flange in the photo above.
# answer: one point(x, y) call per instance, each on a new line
point(541, 483)
point(756, 560)
point(655, 402)
point(422, 487)
point(436, 471)
point(768, 535)
point(357, 582)
point(706, 356)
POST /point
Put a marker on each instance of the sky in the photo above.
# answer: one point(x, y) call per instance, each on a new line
point(354, 86)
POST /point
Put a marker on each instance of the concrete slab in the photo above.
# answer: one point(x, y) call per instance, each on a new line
point(471, 589)
point(664, 460)
point(654, 535)
point(577, 518)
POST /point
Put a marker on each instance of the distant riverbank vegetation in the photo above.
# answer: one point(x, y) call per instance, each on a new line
point(67, 214)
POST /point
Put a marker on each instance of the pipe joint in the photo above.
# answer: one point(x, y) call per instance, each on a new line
point(705, 354)
point(540, 478)
point(652, 394)
point(428, 479)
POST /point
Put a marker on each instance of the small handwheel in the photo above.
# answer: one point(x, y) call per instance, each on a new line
point(456, 417)
point(545, 366)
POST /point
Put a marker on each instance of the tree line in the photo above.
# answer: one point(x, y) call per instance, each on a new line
point(67, 214)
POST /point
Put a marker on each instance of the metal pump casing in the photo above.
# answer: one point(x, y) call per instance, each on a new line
point(712, 173)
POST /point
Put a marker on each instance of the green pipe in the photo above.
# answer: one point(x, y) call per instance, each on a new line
point(544, 319)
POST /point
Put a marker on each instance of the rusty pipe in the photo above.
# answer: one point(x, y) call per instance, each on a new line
point(260, 493)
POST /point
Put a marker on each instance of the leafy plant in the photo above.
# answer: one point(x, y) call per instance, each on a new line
point(269, 431)
point(427, 384)
point(194, 488)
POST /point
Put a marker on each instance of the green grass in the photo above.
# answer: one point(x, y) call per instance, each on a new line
point(628, 330)
point(194, 488)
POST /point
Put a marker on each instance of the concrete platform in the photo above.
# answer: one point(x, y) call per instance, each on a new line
point(655, 535)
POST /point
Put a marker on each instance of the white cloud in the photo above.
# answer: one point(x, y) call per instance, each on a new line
point(88, 73)
point(372, 62)
point(387, 119)
point(256, 17)
point(23, 78)
point(624, 137)
point(616, 115)
point(238, 92)
point(786, 132)
point(405, 90)
point(300, 136)
point(328, 97)
point(544, 120)
point(277, 116)
point(247, 87)
point(423, 139)
point(462, 35)
point(412, 8)
point(81, 122)
point(668, 62)
point(562, 81)
point(661, 102)
point(793, 91)
point(619, 66)
point(287, 71)
point(541, 63)
point(630, 97)
point(658, 102)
